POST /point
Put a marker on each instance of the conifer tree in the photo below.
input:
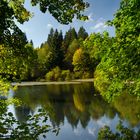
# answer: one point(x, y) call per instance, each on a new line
point(82, 33)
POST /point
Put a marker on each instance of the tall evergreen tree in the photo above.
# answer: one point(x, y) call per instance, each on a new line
point(82, 33)
point(50, 37)
point(54, 41)
point(73, 34)
point(70, 35)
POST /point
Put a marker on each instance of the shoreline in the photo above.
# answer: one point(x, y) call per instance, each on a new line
point(77, 81)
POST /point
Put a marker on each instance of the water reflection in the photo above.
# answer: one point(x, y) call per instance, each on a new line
point(78, 106)
point(22, 112)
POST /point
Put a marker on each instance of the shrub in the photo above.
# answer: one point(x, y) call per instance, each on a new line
point(78, 74)
point(66, 75)
point(86, 75)
point(123, 133)
point(57, 73)
point(54, 74)
point(49, 76)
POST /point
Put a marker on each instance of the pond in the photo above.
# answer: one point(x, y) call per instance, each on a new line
point(77, 109)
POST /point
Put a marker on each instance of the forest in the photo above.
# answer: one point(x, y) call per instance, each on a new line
point(112, 62)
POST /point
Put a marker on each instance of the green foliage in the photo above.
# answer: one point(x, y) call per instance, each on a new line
point(13, 38)
point(81, 61)
point(4, 87)
point(68, 38)
point(57, 74)
point(70, 52)
point(73, 46)
point(66, 75)
point(49, 76)
point(44, 57)
point(78, 74)
point(82, 34)
point(15, 67)
point(35, 126)
point(17, 55)
point(77, 59)
point(82, 74)
point(63, 11)
point(105, 83)
point(54, 41)
point(119, 69)
point(57, 51)
point(54, 74)
point(87, 75)
point(97, 45)
point(43, 52)
point(7, 24)
point(29, 66)
point(106, 134)
point(123, 133)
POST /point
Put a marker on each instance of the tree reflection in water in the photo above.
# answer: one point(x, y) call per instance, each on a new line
point(77, 103)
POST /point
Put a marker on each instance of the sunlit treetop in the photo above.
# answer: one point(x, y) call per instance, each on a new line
point(62, 10)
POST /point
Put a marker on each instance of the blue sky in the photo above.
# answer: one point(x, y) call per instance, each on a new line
point(100, 11)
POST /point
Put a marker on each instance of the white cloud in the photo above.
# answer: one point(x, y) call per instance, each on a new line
point(49, 25)
point(100, 19)
point(77, 132)
point(92, 131)
point(99, 25)
point(102, 123)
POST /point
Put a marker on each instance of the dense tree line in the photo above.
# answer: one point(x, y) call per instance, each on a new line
point(76, 54)
point(60, 51)
point(13, 40)
point(114, 62)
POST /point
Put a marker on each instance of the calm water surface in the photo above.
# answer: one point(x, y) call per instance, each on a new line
point(78, 110)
